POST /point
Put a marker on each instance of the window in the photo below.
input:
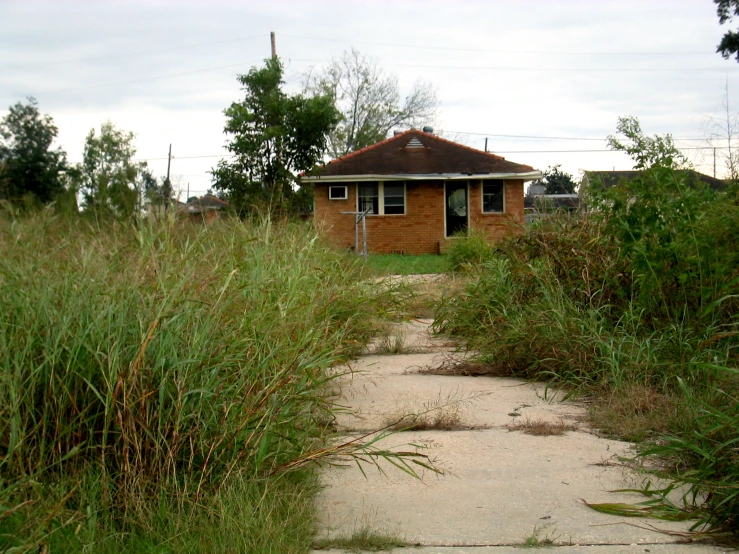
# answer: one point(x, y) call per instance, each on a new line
point(394, 194)
point(381, 198)
point(493, 197)
point(338, 193)
point(369, 198)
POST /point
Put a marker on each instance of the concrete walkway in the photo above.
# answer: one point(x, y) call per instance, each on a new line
point(501, 487)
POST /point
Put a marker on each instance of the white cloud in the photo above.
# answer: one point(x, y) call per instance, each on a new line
point(167, 70)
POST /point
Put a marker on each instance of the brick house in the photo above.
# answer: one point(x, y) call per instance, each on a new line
point(418, 191)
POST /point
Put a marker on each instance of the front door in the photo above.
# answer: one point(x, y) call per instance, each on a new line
point(455, 202)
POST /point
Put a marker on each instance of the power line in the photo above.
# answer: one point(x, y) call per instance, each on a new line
point(595, 150)
point(185, 157)
point(497, 51)
point(143, 79)
point(551, 69)
point(569, 151)
point(141, 53)
point(547, 137)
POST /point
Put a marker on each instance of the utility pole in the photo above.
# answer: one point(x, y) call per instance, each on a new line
point(274, 44)
point(167, 184)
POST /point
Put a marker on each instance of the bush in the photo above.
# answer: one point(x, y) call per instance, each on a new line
point(467, 251)
point(640, 295)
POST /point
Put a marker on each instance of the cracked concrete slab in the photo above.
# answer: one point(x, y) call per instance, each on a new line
point(500, 486)
point(672, 548)
point(382, 389)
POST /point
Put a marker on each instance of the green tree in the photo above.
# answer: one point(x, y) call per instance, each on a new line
point(156, 192)
point(556, 181)
point(109, 176)
point(273, 137)
point(28, 164)
point(647, 152)
point(729, 45)
point(369, 102)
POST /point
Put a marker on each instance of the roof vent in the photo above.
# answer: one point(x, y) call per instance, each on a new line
point(414, 143)
point(428, 129)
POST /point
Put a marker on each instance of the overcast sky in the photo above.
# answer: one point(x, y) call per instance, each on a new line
point(166, 70)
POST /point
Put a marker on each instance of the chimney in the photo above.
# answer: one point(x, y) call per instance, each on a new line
point(428, 129)
point(397, 132)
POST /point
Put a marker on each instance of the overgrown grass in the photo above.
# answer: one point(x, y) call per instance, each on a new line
point(400, 264)
point(364, 539)
point(156, 378)
point(635, 306)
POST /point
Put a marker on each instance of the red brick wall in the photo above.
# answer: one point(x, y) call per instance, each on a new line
point(498, 225)
point(421, 230)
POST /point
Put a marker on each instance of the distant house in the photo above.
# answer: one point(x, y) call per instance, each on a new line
point(540, 205)
point(418, 191)
point(610, 179)
point(204, 209)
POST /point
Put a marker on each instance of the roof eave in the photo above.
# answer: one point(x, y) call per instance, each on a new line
point(524, 176)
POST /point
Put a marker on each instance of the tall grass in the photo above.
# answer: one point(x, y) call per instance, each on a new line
point(148, 369)
point(636, 306)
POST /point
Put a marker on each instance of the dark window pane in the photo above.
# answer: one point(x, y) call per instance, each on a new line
point(492, 196)
point(368, 198)
point(394, 195)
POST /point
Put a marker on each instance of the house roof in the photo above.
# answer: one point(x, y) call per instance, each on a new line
point(203, 204)
point(419, 155)
point(613, 178)
point(567, 201)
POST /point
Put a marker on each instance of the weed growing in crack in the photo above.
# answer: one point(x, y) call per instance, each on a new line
point(541, 428)
point(364, 539)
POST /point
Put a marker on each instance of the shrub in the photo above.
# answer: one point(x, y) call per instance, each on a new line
point(469, 250)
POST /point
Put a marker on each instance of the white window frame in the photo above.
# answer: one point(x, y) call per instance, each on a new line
point(381, 198)
point(482, 197)
point(346, 192)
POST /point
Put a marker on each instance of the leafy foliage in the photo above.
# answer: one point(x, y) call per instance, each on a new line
point(28, 164)
point(273, 137)
point(642, 294)
point(729, 45)
point(646, 152)
point(109, 174)
point(369, 102)
point(556, 181)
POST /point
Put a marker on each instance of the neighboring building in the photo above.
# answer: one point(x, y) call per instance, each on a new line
point(204, 209)
point(612, 178)
point(418, 191)
point(544, 205)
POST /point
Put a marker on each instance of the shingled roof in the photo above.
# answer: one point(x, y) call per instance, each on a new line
point(421, 155)
point(612, 178)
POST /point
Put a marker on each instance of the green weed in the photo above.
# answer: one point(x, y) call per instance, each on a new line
point(365, 539)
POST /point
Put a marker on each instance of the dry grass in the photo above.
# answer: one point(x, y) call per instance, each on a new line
point(392, 339)
point(427, 291)
point(634, 412)
point(541, 428)
point(440, 414)
point(452, 365)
